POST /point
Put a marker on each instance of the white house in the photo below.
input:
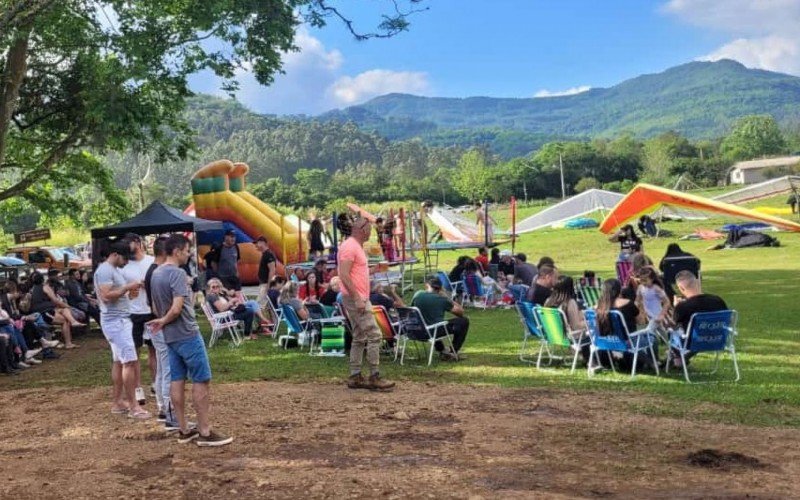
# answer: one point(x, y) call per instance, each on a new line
point(752, 171)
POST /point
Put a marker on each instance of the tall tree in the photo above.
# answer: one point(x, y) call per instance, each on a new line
point(753, 136)
point(80, 75)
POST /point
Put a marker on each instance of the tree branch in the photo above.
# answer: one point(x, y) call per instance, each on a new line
point(13, 74)
point(392, 25)
point(47, 165)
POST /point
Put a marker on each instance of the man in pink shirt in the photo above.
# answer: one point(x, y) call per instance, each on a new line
point(354, 273)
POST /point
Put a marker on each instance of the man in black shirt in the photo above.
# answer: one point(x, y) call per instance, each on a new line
point(542, 287)
point(266, 270)
point(694, 301)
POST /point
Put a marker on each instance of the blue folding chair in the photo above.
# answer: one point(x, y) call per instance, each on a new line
point(531, 330)
point(620, 340)
point(474, 290)
point(451, 287)
point(295, 329)
point(708, 332)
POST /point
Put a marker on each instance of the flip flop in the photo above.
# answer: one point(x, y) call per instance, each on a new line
point(71, 346)
point(119, 411)
point(140, 415)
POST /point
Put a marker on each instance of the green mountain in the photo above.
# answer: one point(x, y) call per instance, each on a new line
point(698, 99)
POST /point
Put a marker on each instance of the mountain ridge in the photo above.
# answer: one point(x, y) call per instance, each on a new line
point(698, 99)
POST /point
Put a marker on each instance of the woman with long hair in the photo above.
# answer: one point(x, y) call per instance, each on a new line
point(289, 297)
point(52, 308)
point(564, 298)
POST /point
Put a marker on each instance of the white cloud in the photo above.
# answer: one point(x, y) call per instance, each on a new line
point(556, 93)
point(775, 53)
point(764, 33)
point(353, 90)
point(312, 82)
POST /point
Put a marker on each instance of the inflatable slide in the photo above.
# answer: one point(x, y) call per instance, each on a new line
point(219, 194)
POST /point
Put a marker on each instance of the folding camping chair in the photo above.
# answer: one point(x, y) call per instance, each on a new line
point(624, 270)
point(620, 340)
point(220, 323)
point(556, 333)
point(295, 329)
point(452, 287)
point(475, 292)
point(708, 332)
point(388, 329)
point(589, 296)
point(530, 330)
point(276, 315)
point(328, 329)
point(413, 327)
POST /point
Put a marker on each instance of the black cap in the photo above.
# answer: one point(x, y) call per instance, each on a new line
point(260, 238)
point(230, 232)
point(435, 282)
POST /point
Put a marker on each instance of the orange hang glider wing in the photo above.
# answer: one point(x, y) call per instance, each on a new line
point(645, 198)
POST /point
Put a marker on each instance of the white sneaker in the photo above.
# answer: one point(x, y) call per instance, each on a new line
point(31, 353)
point(48, 343)
point(33, 361)
point(140, 395)
point(20, 364)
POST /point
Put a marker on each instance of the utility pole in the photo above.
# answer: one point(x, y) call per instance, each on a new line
point(561, 166)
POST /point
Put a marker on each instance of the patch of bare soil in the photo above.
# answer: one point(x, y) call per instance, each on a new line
point(420, 441)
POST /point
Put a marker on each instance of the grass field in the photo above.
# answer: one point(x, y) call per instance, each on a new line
point(760, 283)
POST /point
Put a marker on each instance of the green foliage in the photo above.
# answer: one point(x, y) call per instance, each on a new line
point(473, 176)
point(587, 183)
point(753, 137)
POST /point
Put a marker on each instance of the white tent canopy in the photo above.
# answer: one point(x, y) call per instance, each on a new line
point(766, 189)
point(585, 203)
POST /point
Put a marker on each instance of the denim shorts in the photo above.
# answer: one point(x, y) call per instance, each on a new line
point(188, 359)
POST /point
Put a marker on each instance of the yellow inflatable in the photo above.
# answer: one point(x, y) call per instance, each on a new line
point(219, 194)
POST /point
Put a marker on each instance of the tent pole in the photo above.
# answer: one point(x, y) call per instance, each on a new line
point(335, 239)
point(513, 223)
point(283, 242)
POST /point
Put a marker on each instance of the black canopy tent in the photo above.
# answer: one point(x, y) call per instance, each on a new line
point(157, 218)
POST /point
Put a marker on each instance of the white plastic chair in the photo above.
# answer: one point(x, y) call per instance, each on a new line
point(220, 323)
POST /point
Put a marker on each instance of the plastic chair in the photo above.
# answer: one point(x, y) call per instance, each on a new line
point(222, 322)
point(413, 327)
point(708, 332)
point(624, 270)
point(556, 334)
point(620, 340)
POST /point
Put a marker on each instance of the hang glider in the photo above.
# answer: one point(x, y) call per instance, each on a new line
point(644, 198)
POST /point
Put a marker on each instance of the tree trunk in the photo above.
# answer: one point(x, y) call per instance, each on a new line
point(16, 65)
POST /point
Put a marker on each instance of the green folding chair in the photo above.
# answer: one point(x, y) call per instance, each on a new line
point(557, 335)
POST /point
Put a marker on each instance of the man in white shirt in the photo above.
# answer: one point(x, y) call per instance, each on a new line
point(135, 270)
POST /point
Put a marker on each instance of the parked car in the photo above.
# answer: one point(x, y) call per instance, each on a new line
point(13, 268)
point(47, 257)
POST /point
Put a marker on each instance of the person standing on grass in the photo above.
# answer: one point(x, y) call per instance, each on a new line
point(171, 297)
point(354, 273)
point(228, 263)
point(162, 379)
point(266, 270)
point(112, 293)
point(135, 270)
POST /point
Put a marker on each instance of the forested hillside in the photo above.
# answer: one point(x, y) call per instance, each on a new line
point(700, 100)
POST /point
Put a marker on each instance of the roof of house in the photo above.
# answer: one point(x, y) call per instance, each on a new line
point(783, 161)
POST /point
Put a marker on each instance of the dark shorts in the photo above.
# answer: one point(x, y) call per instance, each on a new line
point(188, 360)
point(231, 282)
point(138, 321)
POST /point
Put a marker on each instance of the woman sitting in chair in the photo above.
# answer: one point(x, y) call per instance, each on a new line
point(310, 290)
point(289, 298)
point(563, 297)
point(243, 312)
point(611, 299)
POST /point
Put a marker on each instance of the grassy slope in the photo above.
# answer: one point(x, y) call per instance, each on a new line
point(759, 283)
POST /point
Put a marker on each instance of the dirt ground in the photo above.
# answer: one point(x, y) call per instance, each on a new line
point(434, 441)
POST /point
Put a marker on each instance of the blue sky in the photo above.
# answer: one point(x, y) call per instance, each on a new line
point(519, 48)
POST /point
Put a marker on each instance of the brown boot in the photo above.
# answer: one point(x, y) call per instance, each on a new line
point(357, 382)
point(376, 383)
